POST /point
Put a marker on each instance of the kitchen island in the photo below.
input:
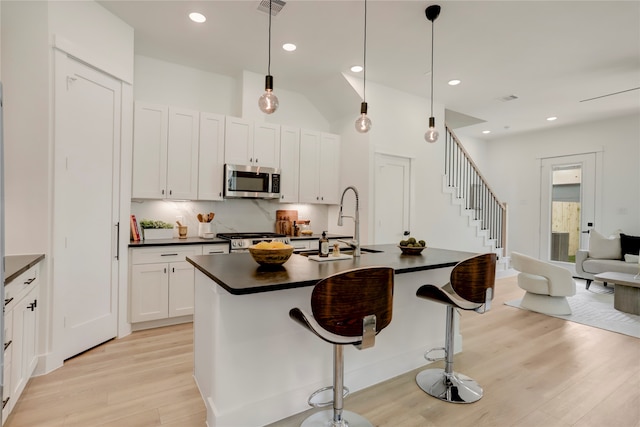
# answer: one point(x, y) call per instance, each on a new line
point(254, 365)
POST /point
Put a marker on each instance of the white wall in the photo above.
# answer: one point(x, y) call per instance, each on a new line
point(399, 121)
point(294, 108)
point(515, 174)
point(162, 82)
point(25, 75)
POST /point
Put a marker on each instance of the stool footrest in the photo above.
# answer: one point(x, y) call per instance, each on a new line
point(428, 356)
point(345, 393)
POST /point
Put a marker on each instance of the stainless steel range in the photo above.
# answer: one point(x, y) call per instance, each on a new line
point(240, 242)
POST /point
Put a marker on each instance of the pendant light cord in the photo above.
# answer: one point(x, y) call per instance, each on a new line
point(432, 25)
point(364, 60)
point(269, 62)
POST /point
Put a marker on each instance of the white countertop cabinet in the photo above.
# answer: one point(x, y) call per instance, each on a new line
point(161, 283)
point(21, 313)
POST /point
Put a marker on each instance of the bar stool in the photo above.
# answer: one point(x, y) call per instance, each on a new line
point(470, 287)
point(349, 308)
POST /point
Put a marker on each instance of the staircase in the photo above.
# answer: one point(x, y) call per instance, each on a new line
point(469, 190)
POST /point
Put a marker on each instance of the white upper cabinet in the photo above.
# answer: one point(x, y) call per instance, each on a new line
point(253, 144)
point(150, 151)
point(289, 164)
point(266, 145)
point(165, 152)
point(238, 141)
point(211, 159)
point(182, 161)
point(319, 167)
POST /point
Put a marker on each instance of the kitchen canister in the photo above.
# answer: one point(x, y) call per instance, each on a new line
point(205, 230)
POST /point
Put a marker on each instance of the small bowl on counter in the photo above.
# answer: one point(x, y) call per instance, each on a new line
point(270, 256)
point(411, 250)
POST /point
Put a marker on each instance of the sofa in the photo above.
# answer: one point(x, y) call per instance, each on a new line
point(617, 253)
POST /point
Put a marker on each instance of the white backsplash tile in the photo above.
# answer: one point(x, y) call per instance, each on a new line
point(240, 215)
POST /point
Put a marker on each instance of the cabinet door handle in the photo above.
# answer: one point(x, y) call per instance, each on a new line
point(7, 301)
point(118, 240)
point(5, 401)
point(216, 252)
point(168, 254)
point(162, 192)
point(7, 344)
point(29, 281)
point(165, 270)
point(170, 192)
point(173, 269)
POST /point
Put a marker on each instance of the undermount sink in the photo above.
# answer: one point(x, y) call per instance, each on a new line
point(348, 251)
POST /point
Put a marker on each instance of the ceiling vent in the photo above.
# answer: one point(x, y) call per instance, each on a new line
point(507, 98)
point(276, 6)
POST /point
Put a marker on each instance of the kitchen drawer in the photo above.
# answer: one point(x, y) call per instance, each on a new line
point(216, 248)
point(20, 286)
point(299, 245)
point(163, 254)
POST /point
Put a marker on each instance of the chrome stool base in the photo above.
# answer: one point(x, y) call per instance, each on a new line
point(325, 419)
point(453, 388)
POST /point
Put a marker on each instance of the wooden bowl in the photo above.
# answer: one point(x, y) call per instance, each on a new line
point(271, 257)
point(411, 250)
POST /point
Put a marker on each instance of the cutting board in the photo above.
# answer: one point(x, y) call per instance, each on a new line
point(329, 258)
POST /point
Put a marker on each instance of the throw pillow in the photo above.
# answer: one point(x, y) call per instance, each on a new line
point(602, 247)
point(632, 258)
point(629, 244)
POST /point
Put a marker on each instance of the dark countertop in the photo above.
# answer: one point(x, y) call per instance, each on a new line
point(201, 241)
point(176, 241)
point(15, 265)
point(239, 274)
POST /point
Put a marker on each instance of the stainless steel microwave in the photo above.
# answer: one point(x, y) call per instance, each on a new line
point(252, 182)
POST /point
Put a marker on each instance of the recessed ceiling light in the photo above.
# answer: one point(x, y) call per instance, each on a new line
point(197, 17)
point(551, 118)
point(454, 82)
point(289, 47)
point(486, 131)
point(357, 68)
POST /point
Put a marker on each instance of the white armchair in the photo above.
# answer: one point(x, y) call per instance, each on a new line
point(547, 286)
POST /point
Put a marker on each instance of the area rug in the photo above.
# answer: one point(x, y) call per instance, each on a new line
point(594, 307)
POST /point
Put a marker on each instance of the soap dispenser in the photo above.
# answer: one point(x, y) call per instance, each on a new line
point(323, 245)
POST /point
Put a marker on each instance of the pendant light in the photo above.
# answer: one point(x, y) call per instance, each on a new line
point(431, 135)
point(363, 123)
point(268, 102)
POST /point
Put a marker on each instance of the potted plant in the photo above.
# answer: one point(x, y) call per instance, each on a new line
point(154, 229)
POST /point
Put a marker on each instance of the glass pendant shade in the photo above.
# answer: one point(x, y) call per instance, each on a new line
point(431, 135)
point(268, 102)
point(363, 123)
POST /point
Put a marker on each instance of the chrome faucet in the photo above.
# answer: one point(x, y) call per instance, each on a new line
point(355, 242)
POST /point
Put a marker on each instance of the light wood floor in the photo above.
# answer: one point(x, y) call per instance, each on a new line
point(537, 371)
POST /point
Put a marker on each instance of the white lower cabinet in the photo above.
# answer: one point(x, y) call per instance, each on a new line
point(161, 285)
point(161, 281)
point(21, 314)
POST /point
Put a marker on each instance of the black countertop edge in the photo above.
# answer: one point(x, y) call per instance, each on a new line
point(176, 241)
point(15, 265)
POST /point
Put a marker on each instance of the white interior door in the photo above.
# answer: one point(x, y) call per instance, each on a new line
point(392, 185)
point(86, 204)
point(568, 205)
